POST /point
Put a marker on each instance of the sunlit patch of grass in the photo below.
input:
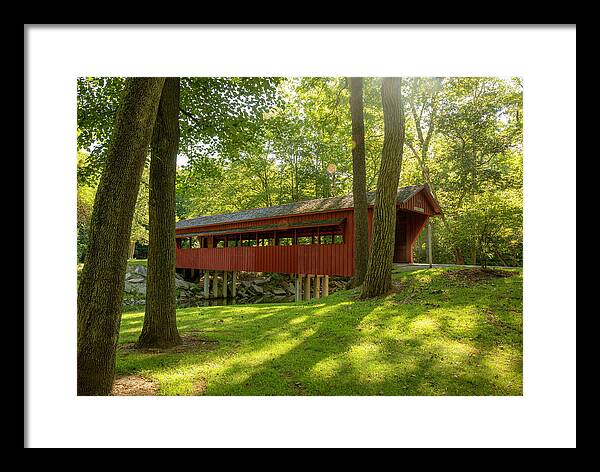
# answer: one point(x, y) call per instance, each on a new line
point(436, 336)
point(137, 262)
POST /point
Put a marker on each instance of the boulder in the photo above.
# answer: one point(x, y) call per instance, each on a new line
point(183, 284)
point(136, 279)
point(129, 287)
point(140, 269)
point(139, 289)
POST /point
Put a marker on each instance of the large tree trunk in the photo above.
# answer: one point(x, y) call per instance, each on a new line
point(100, 294)
point(379, 271)
point(160, 324)
point(359, 182)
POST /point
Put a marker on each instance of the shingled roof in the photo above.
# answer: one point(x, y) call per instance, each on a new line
point(296, 208)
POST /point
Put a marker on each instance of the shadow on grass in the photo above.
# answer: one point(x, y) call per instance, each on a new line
point(435, 337)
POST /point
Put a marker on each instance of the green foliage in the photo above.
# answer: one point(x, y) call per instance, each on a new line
point(219, 115)
point(439, 335)
point(474, 159)
point(85, 202)
point(490, 227)
point(139, 225)
point(98, 100)
point(86, 193)
point(253, 142)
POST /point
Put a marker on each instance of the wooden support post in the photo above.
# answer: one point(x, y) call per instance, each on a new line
point(233, 282)
point(317, 286)
point(429, 251)
point(298, 287)
point(325, 285)
point(215, 286)
point(307, 287)
point(225, 287)
point(206, 284)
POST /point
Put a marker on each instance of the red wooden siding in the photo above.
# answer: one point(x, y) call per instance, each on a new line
point(320, 259)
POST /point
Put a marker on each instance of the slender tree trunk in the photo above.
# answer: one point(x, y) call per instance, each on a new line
point(379, 272)
point(131, 249)
point(359, 182)
point(100, 293)
point(160, 324)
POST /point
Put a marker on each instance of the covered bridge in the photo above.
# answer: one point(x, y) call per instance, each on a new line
point(310, 237)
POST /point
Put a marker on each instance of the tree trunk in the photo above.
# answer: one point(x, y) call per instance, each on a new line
point(379, 271)
point(359, 182)
point(160, 324)
point(100, 294)
point(131, 249)
point(459, 258)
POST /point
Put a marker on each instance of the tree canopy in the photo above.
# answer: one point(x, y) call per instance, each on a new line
point(249, 142)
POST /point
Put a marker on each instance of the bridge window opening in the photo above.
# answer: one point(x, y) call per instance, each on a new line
point(285, 237)
point(248, 240)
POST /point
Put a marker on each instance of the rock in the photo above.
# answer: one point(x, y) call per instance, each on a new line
point(183, 284)
point(135, 288)
point(129, 287)
point(136, 279)
point(139, 269)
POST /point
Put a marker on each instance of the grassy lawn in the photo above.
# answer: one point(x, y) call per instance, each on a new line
point(137, 262)
point(441, 333)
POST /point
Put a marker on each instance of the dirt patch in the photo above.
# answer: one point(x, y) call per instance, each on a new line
point(200, 387)
point(493, 319)
point(189, 343)
point(134, 385)
point(397, 287)
point(476, 275)
point(298, 388)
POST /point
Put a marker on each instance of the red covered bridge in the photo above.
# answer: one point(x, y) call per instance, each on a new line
point(310, 237)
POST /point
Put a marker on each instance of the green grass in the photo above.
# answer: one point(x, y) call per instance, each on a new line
point(435, 336)
point(137, 262)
